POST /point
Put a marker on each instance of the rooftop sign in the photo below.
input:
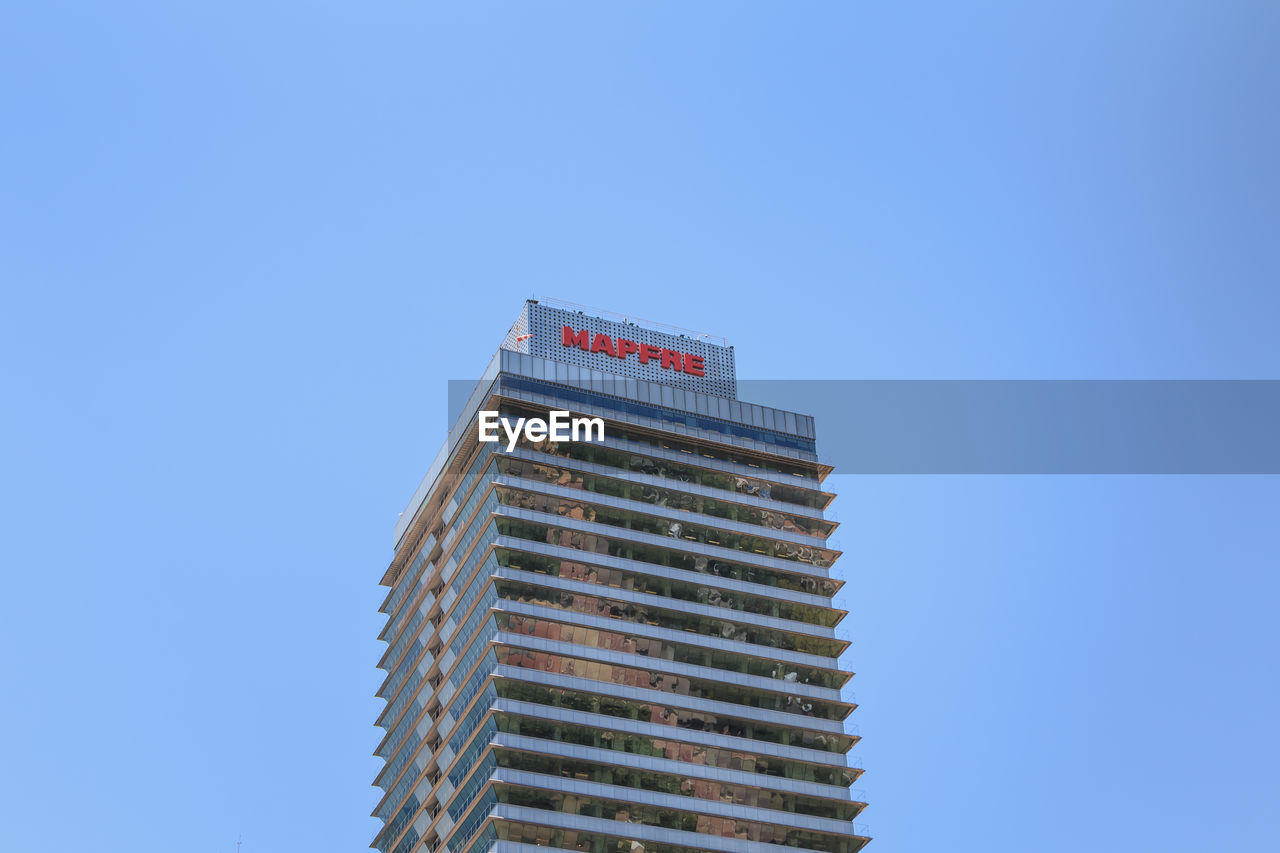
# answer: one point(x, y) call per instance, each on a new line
point(625, 348)
point(669, 359)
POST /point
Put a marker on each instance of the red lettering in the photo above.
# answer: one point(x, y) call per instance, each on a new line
point(689, 363)
point(603, 343)
point(580, 339)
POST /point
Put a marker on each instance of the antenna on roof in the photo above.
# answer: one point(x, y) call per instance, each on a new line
point(634, 322)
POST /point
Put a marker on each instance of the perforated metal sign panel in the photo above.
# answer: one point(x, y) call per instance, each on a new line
point(545, 325)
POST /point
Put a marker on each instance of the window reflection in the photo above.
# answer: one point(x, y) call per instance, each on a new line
point(663, 497)
point(698, 721)
point(654, 614)
point(656, 648)
point(680, 532)
point(806, 478)
point(677, 750)
point(671, 683)
point(679, 590)
point(682, 786)
point(678, 820)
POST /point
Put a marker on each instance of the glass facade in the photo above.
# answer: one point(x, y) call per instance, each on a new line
point(624, 646)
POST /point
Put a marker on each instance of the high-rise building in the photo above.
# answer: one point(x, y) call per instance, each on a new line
point(624, 645)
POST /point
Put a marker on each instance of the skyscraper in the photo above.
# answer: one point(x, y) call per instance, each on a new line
point(616, 646)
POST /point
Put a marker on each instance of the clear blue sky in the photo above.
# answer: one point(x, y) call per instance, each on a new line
point(244, 245)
